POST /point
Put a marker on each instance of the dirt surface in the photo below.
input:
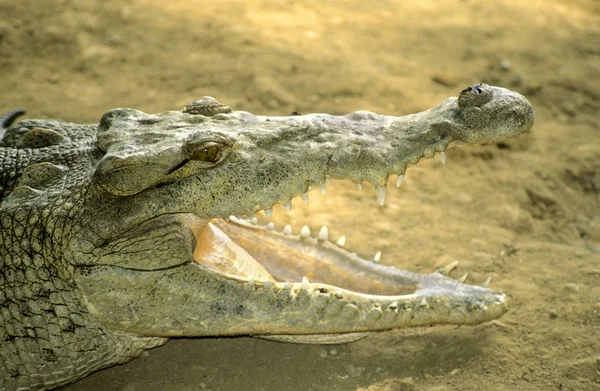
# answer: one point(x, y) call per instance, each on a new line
point(525, 211)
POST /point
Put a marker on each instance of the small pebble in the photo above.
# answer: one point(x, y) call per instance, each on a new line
point(553, 314)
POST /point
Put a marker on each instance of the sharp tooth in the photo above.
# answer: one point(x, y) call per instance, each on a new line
point(323, 188)
point(324, 233)
point(393, 305)
point(424, 302)
point(288, 205)
point(486, 283)
point(233, 218)
point(463, 278)
point(381, 195)
point(341, 241)
point(254, 221)
point(270, 226)
point(443, 157)
point(287, 286)
point(287, 230)
point(339, 294)
point(448, 268)
point(304, 197)
point(269, 212)
point(250, 281)
point(399, 180)
point(377, 257)
point(305, 232)
point(305, 283)
point(359, 185)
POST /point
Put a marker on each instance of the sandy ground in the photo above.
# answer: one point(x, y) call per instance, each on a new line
point(525, 211)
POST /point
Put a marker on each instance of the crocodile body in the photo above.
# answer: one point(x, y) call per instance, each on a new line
point(115, 237)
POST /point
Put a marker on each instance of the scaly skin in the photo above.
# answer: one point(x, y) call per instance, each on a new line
point(115, 237)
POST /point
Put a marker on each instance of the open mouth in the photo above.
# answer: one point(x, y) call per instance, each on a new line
point(259, 254)
point(251, 252)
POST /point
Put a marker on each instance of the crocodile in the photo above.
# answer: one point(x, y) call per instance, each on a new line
point(117, 236)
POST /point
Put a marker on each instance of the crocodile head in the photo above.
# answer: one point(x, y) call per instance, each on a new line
point(157, 253)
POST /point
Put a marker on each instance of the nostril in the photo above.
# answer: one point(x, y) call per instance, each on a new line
point(475, 96)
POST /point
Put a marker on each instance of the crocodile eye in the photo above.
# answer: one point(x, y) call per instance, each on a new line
point(211, 154)
point(207, 148)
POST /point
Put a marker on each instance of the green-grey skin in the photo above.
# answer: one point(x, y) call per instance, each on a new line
point(98, 226)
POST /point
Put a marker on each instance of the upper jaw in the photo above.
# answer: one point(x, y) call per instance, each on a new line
point(274, 159)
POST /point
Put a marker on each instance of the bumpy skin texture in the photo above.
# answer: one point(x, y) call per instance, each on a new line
point(112, 237)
